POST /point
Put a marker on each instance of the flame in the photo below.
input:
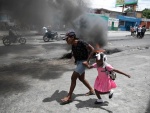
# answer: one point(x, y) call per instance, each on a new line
point(98, 49)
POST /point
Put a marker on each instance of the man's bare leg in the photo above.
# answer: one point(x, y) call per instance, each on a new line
point(74, 77)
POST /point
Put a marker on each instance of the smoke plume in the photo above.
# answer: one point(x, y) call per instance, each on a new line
point(71, 13)
point(93, 29)
point(43, 12)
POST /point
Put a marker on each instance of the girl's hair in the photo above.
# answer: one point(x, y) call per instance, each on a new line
point(100, 56)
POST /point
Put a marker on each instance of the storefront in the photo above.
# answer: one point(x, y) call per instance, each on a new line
point(146, 22)
point(113, 24)
point(92, 15)
point(125, 22)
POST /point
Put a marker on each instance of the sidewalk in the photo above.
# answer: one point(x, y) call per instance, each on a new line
point(122, 33)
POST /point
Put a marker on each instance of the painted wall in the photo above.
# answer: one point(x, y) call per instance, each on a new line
point(146, 23)
point(128, 21)
point(113, 24)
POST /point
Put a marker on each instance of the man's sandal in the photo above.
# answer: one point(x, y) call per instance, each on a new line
point(65, 101)
point(90, 93)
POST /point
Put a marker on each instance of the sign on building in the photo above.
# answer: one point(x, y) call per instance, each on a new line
point(126, 2)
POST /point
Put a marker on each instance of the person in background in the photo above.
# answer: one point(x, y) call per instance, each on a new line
point(143, 31)
point(132, 31)
point(48, 33)
point(44, 30)
point(135, 29)
point(139, 29)
point(12, 34)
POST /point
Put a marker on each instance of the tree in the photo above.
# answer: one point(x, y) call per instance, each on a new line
point(146, 13)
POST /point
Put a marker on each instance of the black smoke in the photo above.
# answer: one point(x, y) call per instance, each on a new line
point(43, 12)
point(92, 28)
point(25, 11)
point(71, 13)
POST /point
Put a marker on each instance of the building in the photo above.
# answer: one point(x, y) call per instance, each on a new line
point(121, 21)
point(113, 22)
point(125, 22)
point(146, 22)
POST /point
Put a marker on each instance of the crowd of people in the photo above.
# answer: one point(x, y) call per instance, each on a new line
point(138, 31)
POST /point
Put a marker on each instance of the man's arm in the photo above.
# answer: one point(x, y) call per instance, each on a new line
point(87, 65)
point(91, 48)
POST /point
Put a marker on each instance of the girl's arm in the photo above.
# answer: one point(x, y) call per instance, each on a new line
point(118, 71)
point(87, 65)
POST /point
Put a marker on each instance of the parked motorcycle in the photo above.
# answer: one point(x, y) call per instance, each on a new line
point(50, 35)
point(7, 40)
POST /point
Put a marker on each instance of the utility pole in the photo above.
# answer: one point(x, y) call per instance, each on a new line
point(123, 8)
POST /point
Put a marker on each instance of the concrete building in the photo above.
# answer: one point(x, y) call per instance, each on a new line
point(119, 20)
point(146, 22)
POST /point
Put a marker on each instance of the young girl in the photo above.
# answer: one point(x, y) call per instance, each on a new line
point(103, 83)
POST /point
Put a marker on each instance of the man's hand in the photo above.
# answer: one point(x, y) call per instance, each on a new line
point(85, 63)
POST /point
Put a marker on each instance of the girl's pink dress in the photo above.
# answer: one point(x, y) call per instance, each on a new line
point(103, 82)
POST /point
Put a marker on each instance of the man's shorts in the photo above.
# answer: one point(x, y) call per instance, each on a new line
point(80, 67)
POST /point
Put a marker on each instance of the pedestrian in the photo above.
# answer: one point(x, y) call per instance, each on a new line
point(139, 29)
point(143, 31)
point(132, 31)
point(103, 83)
point(135, 29)
point(82, 51)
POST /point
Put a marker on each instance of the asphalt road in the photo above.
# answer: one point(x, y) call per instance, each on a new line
point(33, 78)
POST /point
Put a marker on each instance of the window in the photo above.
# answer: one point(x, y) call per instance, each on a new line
point(121, 23)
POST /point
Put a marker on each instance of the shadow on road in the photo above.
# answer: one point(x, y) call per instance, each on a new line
point(57, 96)
point(12, 76)
point(53, 46)
point(37, 70)
point(11, 85)
point(15, 49)
point(148, 108)
point(90, 104)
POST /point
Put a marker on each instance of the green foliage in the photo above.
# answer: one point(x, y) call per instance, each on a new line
point(146, 13)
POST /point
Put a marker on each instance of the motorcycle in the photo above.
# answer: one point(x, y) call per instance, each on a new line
point(7, 40)
point(50, 35)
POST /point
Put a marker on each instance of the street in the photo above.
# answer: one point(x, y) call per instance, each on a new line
point(34, 77)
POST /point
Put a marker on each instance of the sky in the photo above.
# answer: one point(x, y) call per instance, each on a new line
point(110, 4)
